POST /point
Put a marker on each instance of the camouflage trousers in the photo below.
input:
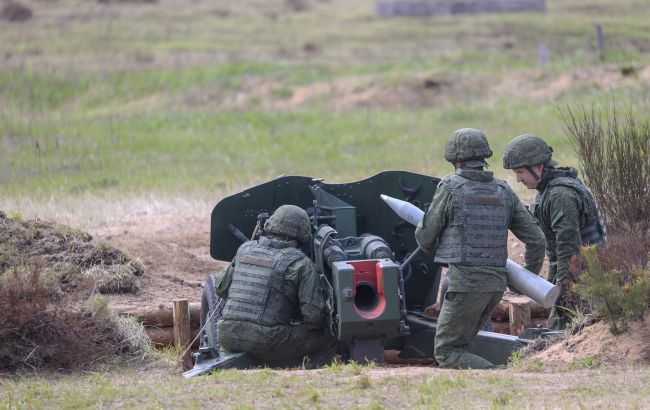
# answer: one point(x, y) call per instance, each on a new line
point(277, 346)
point(461, 318)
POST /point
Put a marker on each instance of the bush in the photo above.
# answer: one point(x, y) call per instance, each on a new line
point(612, 294)
point(615, 160)
point(614, 155)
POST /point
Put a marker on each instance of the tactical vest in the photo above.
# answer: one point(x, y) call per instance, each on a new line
point(592, 232)
point(256, 293)
point(478, 231)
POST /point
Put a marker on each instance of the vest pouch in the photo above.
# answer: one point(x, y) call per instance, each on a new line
point(278, 309)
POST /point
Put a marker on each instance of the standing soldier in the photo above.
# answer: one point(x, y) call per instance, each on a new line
point(275, 308)
point(467, 225)
point(566, 211)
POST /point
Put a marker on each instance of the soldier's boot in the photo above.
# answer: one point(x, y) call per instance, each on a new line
point(320, 359)
point(460, 359)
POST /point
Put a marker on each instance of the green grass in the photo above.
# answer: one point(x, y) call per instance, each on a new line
point(125, 99)
point(586, 363)
point(417, 387)
point(122, 98)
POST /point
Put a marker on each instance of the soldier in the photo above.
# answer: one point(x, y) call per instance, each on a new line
point(566, 211)
point(467, 225)
point(275, 307)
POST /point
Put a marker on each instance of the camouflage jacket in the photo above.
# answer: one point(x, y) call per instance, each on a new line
point(480, 278)
point(562, 212)
point(301, 286)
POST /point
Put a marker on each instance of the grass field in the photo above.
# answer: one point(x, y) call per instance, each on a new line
point(206, 97)
point(110, 109)
point(349, 386)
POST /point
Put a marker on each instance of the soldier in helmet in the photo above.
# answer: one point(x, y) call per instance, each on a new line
point(466, 226)
point(565, 208)
point(275, 307)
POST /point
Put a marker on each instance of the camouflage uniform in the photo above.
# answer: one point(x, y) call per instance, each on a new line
point(466, 225)
point(567, 213)
point(275, 308)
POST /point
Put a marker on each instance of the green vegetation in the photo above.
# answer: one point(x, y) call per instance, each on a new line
point(426, 388)
point(586, 363)
point(167, 97)
point(517, 361)
point(123, 99)
point(614, 296)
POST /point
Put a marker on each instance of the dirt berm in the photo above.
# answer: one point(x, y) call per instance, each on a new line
point(596, 341)
point(66, 255)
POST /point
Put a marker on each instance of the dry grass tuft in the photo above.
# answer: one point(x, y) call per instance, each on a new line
point(42, 327)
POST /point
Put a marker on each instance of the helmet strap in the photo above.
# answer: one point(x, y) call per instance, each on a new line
point(534, 174)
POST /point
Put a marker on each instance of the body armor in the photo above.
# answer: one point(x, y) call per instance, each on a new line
point(478, 232)
point(256, 293)
point(592, 232)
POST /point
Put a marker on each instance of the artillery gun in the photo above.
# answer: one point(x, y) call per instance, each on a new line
point(377, 282)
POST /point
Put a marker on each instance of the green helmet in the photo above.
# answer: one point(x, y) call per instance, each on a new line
point(526, 151)
point(468, 145)
point(290, 221)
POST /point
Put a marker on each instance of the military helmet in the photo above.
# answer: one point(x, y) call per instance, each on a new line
point(526, 151)
point(290, 221)
point(468, 145)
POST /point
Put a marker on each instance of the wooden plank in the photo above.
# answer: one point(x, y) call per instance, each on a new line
point(504, 327)
point(519, 318)
point(161, 337)
point(160, 315)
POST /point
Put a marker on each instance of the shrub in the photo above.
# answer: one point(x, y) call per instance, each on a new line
point(614, 155)
point(611, 294)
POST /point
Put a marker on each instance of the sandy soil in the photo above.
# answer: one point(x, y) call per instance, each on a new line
point(632, 346)
point(174, 249)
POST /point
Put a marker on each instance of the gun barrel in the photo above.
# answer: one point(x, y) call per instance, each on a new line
point(525, 281)
point(237, 233)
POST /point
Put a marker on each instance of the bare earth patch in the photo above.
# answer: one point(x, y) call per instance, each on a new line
point(546, 86)
point(174, 249)
point(350, 92)
point(630, 347)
